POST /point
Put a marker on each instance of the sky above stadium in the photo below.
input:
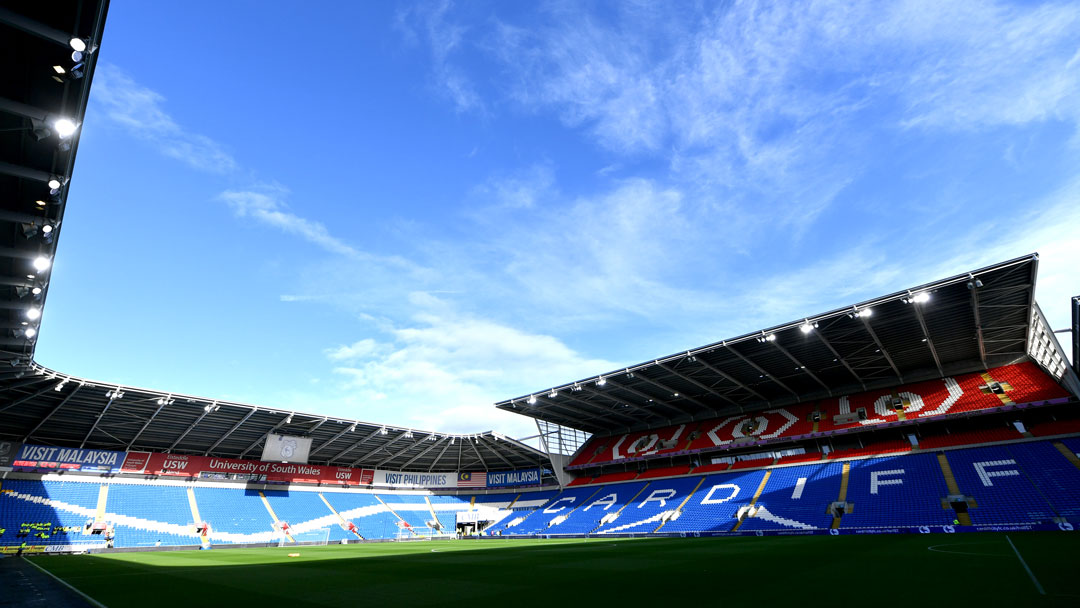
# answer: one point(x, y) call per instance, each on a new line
point(403, 213)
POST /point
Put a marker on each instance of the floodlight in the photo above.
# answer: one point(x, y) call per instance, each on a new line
point(532, 399)
point(29, 332)
point(64, 127)
point(921, 298)
point(36, 291)
point(352, 428)
point(47, 228)
point(806, 328)
point(41, 263)
point(601, 381)
point(553, 394)
point(33, 314)
point(54, 184)
point(77, 44)
point(288, 419)
point(383, 431)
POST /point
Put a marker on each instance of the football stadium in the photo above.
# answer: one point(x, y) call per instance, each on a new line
point(919, 446)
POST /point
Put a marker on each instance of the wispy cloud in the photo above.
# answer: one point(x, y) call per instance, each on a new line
point(430, 25)
point(140, 111)
point(447, 370)
point(267, 207)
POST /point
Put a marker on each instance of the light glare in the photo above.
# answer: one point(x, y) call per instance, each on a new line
point(64, 127)
point(33, 314)
point(41, 263)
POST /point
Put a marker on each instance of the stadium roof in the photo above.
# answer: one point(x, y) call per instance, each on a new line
point(44, 406)
point(43, 97)
point(967, 322)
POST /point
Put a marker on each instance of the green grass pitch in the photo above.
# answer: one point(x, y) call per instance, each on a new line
point(893, 570)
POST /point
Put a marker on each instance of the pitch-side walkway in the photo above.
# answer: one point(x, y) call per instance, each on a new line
point(24, 586)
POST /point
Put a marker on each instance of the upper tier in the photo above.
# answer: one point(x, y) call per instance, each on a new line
point(1021, 383)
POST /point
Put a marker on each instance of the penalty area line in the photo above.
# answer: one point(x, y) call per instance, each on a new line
point(1038, 587)
point(92, 601)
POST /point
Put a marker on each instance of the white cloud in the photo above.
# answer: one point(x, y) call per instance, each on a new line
point(266, 207)
point(140, 111)
point(430, 23)
point(445, 372)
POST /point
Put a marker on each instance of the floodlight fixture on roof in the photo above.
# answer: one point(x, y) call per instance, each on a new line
point(41, 263)
point(64, 127)
point(532, 399)
point(78, 45)
point(553, 394)
point(807, 327)
point(33, 314)
point(601, 381)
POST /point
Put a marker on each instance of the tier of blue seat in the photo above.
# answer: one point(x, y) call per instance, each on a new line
point(164, 504)
point(907, 492)
point(715, 504)
point(379, 524)
point(233, 510)
point(1018, 483)
point(49, 524)
point(658, 496)
point(820, 488)
point(298, 507)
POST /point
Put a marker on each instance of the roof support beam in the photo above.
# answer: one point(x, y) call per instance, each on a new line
point(435, 462)
point(821, 336)
point(161, 405)
point(671, 391)
point(549, 403)
point(421, 454)
point(732, 380)
point(926, 336)
point(700, 385)
point(480, 458)
point(277, 426)
point(400, 452)
point(97, 420)
point(622, 387)
point(323, 444)
point(50, 414)
point(355, 445)
point(206, 412)
point(881, 347)
point(26, 398)
point(250, 413)
point(489, 445)
point(317, 425)
point(36, 175)
point(376, 450)
point(802, 367)
point(604, 395)
point(28, 25)
point(28, 382)
point(761, 371)
point(978, 325)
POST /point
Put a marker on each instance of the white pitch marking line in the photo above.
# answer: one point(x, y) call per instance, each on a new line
point(1038, 587)
point(92, 601)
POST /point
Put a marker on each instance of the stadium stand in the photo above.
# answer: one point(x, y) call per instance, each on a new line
point(372, 518)
point(716, 501)
point(1002, 492)
point(896, 491)
point(665, 472)
point(650, 507)
point(797, 498)
point(47, 512)
point(878, 447)
point(1018, 383)
point(145, 515)
point(605, 502)
point(235, 515)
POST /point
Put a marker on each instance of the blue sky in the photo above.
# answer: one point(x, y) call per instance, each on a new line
point(403, 213)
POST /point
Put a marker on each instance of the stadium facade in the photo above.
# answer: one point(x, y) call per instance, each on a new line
point(947, 406)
